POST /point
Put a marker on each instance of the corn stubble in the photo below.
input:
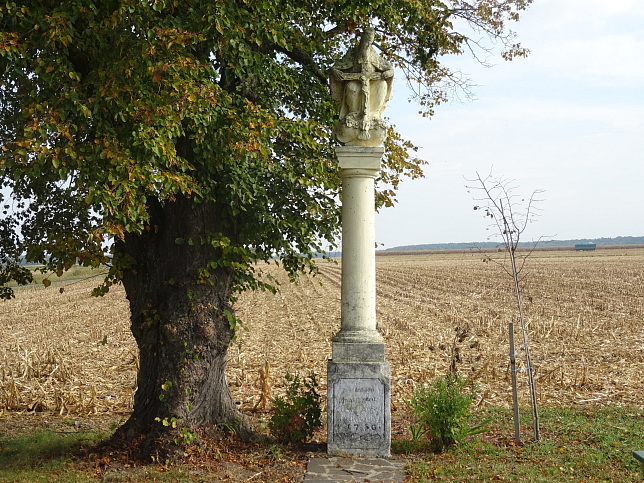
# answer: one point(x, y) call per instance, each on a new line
point(73, 354)
point(66, 352)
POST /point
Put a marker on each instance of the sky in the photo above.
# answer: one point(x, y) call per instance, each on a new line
point(568, 119)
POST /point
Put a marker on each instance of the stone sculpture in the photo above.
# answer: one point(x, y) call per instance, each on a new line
point(358, 376)
point(361, 85)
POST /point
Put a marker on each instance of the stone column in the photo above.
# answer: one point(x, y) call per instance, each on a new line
point(358, 339)
point(358, 377)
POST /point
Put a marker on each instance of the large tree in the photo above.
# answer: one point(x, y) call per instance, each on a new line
point(183, 142)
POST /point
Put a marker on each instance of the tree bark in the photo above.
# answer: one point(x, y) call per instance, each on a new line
point(179, 324)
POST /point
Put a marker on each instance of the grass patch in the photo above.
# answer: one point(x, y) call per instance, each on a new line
point(578, 444)
point(44, 456)
point(583, 444)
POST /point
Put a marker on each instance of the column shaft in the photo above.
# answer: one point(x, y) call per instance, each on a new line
point(358, 339)
point(358, 251)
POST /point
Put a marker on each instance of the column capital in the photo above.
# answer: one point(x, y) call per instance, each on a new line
point(359, 157)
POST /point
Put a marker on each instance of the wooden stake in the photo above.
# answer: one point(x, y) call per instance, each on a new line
point(513, 373)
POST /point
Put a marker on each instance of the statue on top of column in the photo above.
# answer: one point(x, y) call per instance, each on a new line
point(361, 85)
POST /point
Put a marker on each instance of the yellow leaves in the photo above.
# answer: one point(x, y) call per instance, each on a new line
point(515, 50)
point(85, 111)
point(8, 42)
point(251, 146)
point(59, 28)
point(74, 76)
point(116, 230)
point(133, 173)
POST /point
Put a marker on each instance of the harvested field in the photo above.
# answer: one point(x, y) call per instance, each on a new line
point(68, 352)
point(72, 354)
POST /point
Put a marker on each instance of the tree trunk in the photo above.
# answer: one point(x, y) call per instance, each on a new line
point(179, 324)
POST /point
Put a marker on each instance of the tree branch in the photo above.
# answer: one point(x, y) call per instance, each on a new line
point(303, 58)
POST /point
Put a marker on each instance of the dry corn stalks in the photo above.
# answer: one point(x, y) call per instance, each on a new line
point(585, 321)
point(265, 387)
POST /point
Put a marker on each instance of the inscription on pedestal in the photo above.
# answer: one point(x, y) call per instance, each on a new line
point(359, 413)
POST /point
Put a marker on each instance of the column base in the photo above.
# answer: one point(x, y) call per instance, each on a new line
point(358, 346)
point(358, 352)
point(359, 408)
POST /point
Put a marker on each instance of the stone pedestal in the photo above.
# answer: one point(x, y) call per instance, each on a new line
point(358, 408)
point(358, 378)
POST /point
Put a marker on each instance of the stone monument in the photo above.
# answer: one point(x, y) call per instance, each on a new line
point(358, 377)
point(361, 85)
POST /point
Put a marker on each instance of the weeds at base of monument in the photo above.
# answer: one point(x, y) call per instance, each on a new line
point(442, 412)
point(296, 416)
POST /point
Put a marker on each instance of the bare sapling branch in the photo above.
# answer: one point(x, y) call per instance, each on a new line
point(510, 215)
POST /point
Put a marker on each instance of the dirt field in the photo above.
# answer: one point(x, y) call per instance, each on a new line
point(72, 355)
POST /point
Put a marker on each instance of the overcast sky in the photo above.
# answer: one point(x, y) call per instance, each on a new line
point(569, 119)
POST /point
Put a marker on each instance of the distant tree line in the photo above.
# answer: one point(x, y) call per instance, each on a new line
point(620, 240)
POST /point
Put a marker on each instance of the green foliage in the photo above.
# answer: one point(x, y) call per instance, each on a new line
point(165, 387)
point(110, 109)
point(186, 437)
point(442, 412)
point(234, 322)
point(167, 422)
point(296, 416)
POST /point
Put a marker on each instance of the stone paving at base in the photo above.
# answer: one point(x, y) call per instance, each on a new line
point(338, 469)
